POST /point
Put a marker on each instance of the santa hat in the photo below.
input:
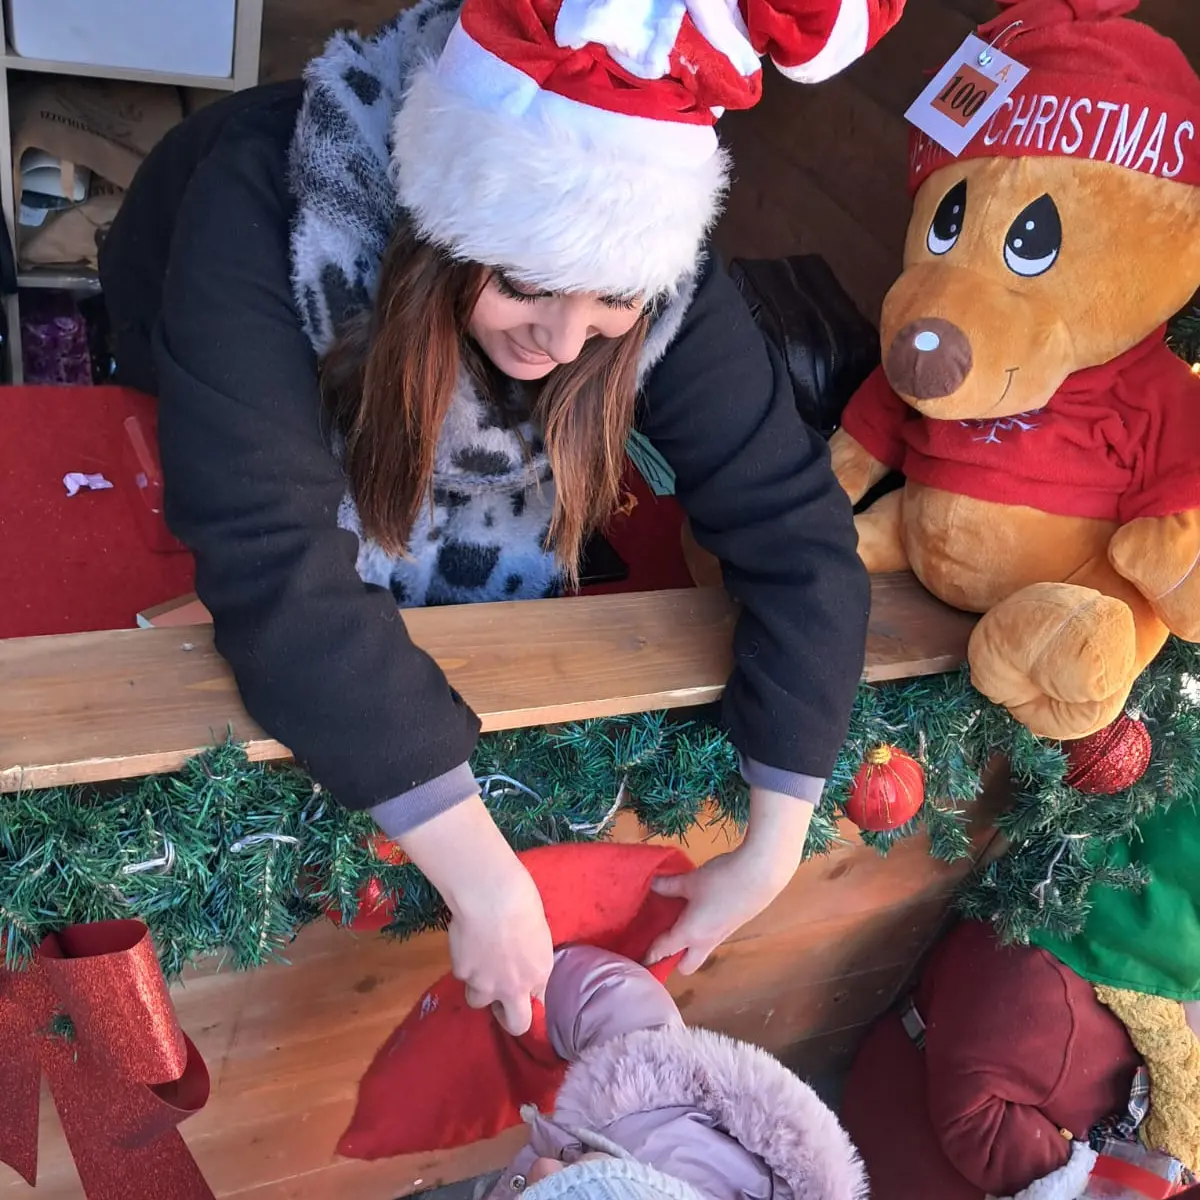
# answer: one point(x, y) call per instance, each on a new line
point(571, 142)
point(449, 1075)
point(1100, 88)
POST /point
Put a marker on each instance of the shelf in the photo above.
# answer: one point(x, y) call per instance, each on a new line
point(246, 47)
point(15, 62)
point(67, 279)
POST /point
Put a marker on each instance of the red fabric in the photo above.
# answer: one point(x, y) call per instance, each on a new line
point(1017, 1048)
point(648, 539)
point(1100, 87)
point(885, 1110)
point(95, 560)
point(1115, 442)
point(521, 32)
point(701, 81)
point(449, 1075)
point(794, 32)
point(83, 562)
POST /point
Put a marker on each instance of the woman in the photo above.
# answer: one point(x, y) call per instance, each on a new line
point(398, 321)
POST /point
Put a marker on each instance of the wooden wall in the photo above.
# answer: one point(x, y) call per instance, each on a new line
point(818, 170)
point(286, 1045)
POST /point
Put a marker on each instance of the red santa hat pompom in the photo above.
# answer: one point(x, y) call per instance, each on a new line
point(571, 142)
point(1101, 88)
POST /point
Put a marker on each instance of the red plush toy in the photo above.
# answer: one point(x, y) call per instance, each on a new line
point(450, 1075)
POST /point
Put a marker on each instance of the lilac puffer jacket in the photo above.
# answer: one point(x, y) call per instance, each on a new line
point(723, 1116)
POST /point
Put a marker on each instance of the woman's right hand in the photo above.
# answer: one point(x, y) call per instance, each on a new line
point(500, 944)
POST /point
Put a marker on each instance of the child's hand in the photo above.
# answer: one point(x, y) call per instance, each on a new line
point(734, 888)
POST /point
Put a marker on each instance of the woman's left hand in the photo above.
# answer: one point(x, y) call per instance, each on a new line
point(734, 888)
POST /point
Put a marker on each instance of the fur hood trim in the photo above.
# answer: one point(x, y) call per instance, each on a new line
point(753, 1097)
point(1068, 1182)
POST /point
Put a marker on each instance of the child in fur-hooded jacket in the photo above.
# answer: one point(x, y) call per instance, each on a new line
point(653, 1110)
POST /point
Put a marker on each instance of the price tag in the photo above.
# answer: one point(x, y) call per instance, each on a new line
point(965, 94)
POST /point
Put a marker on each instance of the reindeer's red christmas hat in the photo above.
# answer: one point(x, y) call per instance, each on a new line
point(1100, 88)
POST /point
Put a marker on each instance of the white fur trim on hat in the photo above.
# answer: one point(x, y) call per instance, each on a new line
point(848, 41)
point(567, 197)
point(1068, 1182)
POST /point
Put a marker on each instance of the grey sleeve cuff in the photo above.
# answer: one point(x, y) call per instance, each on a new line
point(788, 783)
point(395, 817)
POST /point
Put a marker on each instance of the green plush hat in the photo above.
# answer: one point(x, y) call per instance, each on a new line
point(1147, 941)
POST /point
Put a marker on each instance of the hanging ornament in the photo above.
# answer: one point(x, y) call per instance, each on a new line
point(375, 906)
point(888, 790)
point(1111, 760)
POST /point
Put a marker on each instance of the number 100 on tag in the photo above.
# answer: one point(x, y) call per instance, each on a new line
point(965, 94)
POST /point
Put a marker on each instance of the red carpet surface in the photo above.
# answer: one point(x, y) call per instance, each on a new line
point(70, 564)
point(82, 562)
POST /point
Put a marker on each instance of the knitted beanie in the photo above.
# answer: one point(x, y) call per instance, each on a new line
point(611, 1179)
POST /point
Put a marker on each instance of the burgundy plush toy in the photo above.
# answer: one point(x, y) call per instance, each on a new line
point(991, 1080)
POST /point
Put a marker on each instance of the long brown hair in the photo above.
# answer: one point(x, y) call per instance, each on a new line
point(388, 382)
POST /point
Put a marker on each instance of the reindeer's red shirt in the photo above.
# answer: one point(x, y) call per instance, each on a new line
point(1115, 442)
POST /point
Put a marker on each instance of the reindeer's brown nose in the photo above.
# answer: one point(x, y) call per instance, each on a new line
point(928, 359)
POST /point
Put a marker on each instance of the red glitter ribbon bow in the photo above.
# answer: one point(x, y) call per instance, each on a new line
point(92, 1014)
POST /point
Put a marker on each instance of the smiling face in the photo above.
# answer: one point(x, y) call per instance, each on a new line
point(527, 333)
point(1021, 271)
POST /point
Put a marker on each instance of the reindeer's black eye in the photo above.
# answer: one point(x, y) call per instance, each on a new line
point(1034, 239)
point(948, 220)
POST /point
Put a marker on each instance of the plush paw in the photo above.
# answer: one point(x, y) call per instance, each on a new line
point(704, 568)
point(1059, 657)
point(856, 469)
point(881, 535)
point(1160, 556)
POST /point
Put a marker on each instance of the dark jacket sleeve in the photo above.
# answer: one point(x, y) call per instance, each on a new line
point(761, 495)
point(323, 662)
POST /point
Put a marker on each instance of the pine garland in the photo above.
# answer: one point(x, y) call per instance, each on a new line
point(232, 858)
point(1184, 335)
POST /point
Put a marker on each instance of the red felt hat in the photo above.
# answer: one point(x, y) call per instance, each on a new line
point(449, 1075)
point(571, 142)
point(1100, 88)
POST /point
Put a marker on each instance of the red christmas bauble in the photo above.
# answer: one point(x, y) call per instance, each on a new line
point(1111, 760)
point(888, 790)
point(375, 907)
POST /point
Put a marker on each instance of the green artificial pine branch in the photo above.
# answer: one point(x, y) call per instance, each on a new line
point(1183, 334)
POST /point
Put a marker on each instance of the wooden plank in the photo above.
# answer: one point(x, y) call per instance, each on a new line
point(247, 43)
point(17, 62)
point(83, 708)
